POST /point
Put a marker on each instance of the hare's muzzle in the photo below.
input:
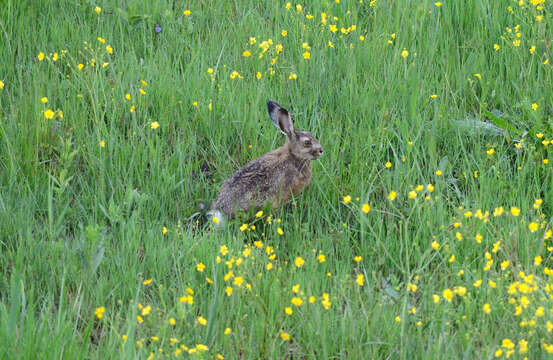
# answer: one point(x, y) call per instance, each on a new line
point(317, 152)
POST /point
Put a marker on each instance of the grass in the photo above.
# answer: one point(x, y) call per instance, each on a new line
point(105, 250)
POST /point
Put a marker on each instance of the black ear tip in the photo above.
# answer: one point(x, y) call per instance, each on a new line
point(272, 106)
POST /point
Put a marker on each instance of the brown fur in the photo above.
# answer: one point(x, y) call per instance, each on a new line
point(275, 176)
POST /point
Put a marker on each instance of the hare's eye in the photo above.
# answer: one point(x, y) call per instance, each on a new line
point(307, 142)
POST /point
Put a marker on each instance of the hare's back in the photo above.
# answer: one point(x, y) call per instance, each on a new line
point(252, 184)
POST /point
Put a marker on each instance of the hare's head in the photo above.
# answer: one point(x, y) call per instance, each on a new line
point(302, 144)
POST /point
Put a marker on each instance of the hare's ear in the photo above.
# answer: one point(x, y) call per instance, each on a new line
point(281, 118)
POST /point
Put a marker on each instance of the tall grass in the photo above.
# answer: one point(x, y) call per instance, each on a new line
point(99, 208)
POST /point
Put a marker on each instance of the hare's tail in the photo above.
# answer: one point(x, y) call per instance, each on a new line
point(216, 217)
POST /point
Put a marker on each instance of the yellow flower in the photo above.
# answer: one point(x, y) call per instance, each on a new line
point(412, 194)
point(147, 282)
point(285, 336)
point(40, 56)
point(187, 12)
point(201, 347)
point(146, 310)
point(347, 199)
point(227, 331)
point(238, 281)
point(477, 283)
point(533, 227)
point(435, 245)
point(366, 208)
point(447, 294)
point(97, 10)
point(223, 250)
point(80, 66)
point(358, 259)
point(439, 172)
point(490, 151)
point(102, 143)
point(200, 267)
point(534, 106)
point(284, 32)
point(244, 227)
point(397, 319)
point(139, 319)
point(154, 126)
point(235, 74)
point(438, 4)
point(478, 76)
point(537, 260)
point(297, 301)
point(392, 195)
point(49, 114)
point(246, 53)
point(306, 55)
point(44, 100)
point(109, 49)
point(435, 298)
point(487, 308)
point(321, 258)
point(404, 53)
point(504, 264)
point(102, 40)
point(388, 164)
point(515, 211)
point(293, 76)
point(172, 322)
point(325, 302)
point(360, 279)
point(288, 310)
point(202, 320)
point(99, 312)
point(279, 231)
point(299, 262)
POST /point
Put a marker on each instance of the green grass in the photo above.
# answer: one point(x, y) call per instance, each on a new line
point(81, 225)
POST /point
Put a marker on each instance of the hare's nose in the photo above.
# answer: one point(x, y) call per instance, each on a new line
point(318, 152)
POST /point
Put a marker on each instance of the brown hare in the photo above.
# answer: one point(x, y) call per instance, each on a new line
point(273, 177)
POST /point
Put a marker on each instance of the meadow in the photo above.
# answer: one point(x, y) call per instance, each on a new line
point(425, 233)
